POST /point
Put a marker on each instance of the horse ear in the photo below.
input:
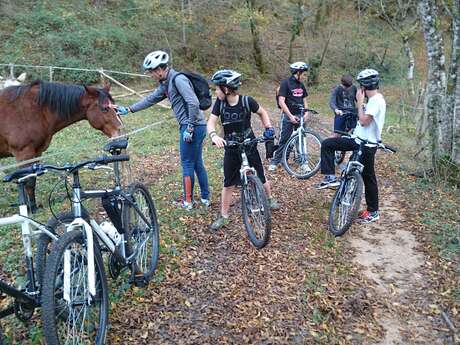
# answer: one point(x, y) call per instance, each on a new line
point(92, 91)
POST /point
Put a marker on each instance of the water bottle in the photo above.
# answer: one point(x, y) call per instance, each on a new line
point(111, 231)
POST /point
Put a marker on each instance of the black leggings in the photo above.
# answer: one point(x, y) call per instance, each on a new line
point(330, 145)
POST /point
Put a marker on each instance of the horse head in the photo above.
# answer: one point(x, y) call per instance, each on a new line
point(100, 113)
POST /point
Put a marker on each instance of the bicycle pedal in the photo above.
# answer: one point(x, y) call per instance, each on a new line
point(139, 281)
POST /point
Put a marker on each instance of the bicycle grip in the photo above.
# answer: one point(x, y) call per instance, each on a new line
point(390, 148)
point(110, 159)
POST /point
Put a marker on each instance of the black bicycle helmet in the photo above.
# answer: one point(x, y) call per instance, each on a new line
point(298, 66)
point(227, 78)
point(369, 79)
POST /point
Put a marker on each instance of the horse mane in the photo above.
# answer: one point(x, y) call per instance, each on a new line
point(61, 99)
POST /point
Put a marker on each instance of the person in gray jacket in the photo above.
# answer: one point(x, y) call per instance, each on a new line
point(192, 124)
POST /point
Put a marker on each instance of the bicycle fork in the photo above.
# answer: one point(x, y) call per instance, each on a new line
point(77, 224)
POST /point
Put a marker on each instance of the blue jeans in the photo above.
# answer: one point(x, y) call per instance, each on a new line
point(191, 156)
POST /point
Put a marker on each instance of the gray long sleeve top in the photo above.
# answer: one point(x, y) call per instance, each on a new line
point(343, 99)
point(181, 95)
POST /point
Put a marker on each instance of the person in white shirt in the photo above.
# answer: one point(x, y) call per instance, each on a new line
point(371, 118)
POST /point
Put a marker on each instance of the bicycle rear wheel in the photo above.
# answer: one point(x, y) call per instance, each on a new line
point(345, 204)
point(142, 235)
point(302, 154)
point(83, 318)
point(256, 212)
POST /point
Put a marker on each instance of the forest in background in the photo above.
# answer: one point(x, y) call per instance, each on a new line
point(256, 37)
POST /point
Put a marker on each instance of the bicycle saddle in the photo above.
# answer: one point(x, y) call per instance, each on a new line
point(116, 146)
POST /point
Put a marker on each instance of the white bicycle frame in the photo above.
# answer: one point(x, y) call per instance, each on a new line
point(302, 147)
point(27, 228)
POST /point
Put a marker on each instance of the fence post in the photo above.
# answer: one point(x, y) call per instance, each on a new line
point(11, 71)
point(51, 74)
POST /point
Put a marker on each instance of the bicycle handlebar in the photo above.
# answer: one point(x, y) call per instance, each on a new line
point(246, 142)
point(40, 169)
point(380, 145)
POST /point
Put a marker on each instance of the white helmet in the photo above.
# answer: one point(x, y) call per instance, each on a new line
point(368, 78)
point(298, 66)
point(155, 59)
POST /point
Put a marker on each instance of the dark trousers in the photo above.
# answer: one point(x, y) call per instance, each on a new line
point(330, 145)
point(287, 127)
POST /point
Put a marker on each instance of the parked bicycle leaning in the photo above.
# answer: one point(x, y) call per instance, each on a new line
point(234, 111)
point(371, 118)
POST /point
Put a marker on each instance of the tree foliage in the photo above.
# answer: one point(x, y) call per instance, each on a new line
point(254, 37)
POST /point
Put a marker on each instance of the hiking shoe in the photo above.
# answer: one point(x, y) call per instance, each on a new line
point(328, 183)
point(206, 203)
point(273, 204)
point(368, 217)
point(219, 223)
point(188, 206)
point(272, 167)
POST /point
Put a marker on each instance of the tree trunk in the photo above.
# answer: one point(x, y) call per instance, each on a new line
point(257, 51)
point(452, 137)
point(436, 83)
point(410, 67)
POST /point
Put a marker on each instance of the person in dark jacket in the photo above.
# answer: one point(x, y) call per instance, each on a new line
point(343, 104)
point(192, 124)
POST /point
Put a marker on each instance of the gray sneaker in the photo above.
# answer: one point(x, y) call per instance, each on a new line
point(219, 223)
point(328, 183)
point(273, 204)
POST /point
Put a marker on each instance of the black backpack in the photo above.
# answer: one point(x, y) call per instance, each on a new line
point(244, 100)
point(201, 88)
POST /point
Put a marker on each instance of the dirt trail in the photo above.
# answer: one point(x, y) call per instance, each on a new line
point(387, 251)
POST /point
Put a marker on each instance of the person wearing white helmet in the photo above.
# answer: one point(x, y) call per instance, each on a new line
point(192, 124)
point(371, 117)
point(234, 111)
point(292, 96)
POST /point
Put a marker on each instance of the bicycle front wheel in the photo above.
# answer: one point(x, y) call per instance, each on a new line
point(345, 204)
point(256, 212)
point(302, 154)
point(142, 230)
point(80, 318)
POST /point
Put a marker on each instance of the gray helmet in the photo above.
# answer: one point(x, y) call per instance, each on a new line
point(155, 59)
point(228, 78)
point(298, 66)
point(369, 79)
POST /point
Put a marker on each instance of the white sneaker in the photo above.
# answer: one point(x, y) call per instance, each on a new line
point(206, 203)
point(272, 167)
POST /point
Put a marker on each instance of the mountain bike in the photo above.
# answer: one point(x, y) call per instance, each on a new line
point(75, 292)
point(347, 198)
point(26, 298)
point(302, 153)
point(254, 202)
point(348, 115)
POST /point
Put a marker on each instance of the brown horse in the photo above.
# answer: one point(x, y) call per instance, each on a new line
point(31, 114)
